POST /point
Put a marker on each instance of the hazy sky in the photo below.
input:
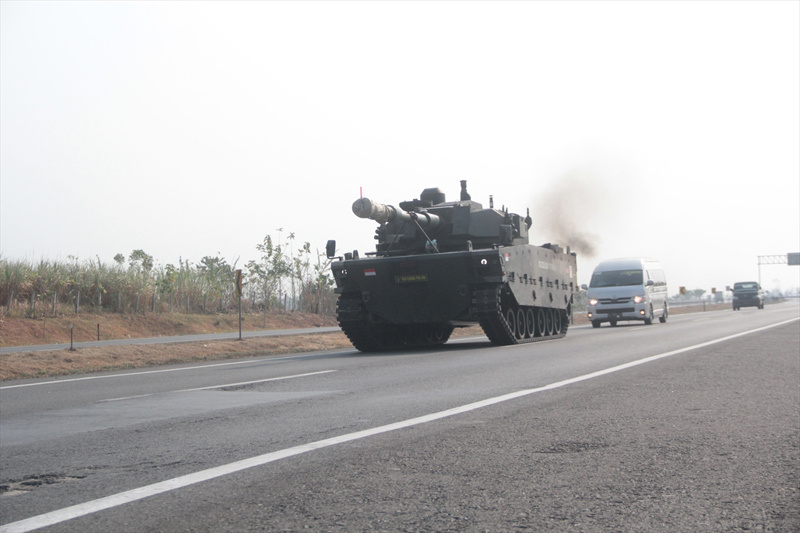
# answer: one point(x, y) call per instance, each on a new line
point(663, 129)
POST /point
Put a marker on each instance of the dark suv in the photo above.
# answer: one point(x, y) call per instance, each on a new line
point(747, 294)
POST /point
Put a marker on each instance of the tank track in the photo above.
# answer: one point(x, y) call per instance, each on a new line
point(369, 336)
point(499, 317)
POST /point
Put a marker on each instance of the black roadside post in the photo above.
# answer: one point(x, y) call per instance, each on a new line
point(239, 294)
point(71, 345)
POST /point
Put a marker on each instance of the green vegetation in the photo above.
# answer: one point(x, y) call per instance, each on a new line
point(282, 279)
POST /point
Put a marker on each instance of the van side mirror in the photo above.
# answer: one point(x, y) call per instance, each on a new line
point(330, 249)
point(650, 283)
point(584, 287)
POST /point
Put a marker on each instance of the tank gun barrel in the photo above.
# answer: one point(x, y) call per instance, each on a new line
point(366, 208)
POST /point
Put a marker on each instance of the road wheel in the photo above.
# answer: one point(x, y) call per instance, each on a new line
point(557, 323)
point(511, 319)
point(541, 322)
point(530, 323)
point(663, 317)
point(595, 323)
point(522, 330)
point(550, 321)
point(613, 323)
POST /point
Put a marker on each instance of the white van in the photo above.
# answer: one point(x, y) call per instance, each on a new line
point(627, 289)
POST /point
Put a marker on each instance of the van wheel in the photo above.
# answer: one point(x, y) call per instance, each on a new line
point(595, 323)
point(663, 317)
point(649, 319)
point(613, 323)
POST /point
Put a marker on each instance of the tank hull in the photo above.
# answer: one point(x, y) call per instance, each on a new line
point(520, 293)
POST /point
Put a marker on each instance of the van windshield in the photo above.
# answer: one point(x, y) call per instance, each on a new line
point(616, 278)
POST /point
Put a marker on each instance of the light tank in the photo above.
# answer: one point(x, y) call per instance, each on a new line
point(439, 265)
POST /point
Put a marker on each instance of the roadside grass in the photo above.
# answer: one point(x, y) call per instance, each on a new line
point(98, 359)
point(20, 331)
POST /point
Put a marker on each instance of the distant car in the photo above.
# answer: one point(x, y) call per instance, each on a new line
point(747, 294)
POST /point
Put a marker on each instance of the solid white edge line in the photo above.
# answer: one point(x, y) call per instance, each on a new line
point(160, 371)
point(140, 493)
point(220, 386)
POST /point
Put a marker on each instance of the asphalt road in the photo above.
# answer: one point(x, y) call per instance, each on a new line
point(685, 426)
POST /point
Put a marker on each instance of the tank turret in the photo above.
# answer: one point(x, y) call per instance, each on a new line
point(431, 224)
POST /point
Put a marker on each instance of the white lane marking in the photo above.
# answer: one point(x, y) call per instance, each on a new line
point(221, 386)
point(100, 504)
point(182, 369)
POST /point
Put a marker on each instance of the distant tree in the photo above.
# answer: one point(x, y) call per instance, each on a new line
point(140, 265)
point(323, 283)
point(165, 282)
point(301, 265)
point(267, 273)
point(696, 294)
point(217, 276)
point(281, 266)
point(295, 274)
point(140, 260)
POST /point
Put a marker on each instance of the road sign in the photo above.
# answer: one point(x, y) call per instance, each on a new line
point(239, 282)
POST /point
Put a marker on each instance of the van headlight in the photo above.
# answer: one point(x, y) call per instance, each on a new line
point(593, 301)
point(638, 299)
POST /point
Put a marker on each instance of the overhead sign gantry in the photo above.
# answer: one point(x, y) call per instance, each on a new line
point(786, 259)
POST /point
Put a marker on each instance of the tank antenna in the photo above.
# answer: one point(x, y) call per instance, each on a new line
point(491, 202)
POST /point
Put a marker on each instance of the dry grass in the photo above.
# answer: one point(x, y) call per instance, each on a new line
point(17, 331)
point(83, 360)
point(23, 332)
point(26, 332)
